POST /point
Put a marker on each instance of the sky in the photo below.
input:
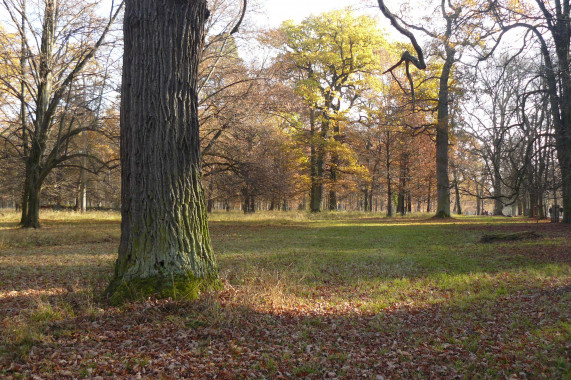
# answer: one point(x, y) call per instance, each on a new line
point(271, 13)
point(278, 11)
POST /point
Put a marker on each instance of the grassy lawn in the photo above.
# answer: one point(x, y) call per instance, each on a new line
point(342, 295)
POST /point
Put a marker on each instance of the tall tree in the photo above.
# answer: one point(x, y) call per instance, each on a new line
point(453, 26)
point(53, 58)
point(165, 246)
point(330, 56)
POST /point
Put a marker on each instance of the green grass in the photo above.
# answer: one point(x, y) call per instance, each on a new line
point(387, 261)
point(427, 287)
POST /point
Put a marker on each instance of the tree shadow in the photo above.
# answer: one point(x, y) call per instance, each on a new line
point(514, 334)
point(350, 254)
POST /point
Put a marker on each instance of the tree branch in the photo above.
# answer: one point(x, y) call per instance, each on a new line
point(406, 57)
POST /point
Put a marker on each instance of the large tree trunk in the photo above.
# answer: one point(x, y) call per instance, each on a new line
point(335, 161)
point(442, 180)
point(409, 202)
point(532, 210)
point(458, 205)
point(31, 196)
point(165, 246)
point(24, 214)
point(81, 201)
point(246, 203)
point(401, 203)
point(365, 200)
point(388, 169)
point(371, 199)
point(316, 191)
point(316, 169)
point(333, 193)
point(562, 37)
point(563, 136)
point(565, 165)
point(498, 204)
point(23, 113)
point(428, 200)
point(478, 201)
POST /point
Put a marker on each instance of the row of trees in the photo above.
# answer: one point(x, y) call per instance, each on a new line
point(323, 126)
point(350, 131)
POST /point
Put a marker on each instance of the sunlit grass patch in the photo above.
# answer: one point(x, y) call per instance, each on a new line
point(60, 228)
point(11, 216)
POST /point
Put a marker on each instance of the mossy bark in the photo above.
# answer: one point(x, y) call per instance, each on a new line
point(165, 246)
point(177, 287)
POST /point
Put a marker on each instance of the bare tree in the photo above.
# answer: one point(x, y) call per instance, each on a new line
point(550, 24)
point(493, 119)
point(448, 41)
point(55, 53)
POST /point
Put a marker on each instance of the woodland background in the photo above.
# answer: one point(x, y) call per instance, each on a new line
point(304, 116)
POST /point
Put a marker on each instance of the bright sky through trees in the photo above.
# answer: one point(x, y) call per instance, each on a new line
point(277, 11)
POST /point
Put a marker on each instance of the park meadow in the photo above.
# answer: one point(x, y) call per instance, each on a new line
point(330, 295)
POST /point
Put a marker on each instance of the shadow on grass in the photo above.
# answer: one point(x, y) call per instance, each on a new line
point(349, 254)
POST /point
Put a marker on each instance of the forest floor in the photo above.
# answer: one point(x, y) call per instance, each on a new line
point(337, 295)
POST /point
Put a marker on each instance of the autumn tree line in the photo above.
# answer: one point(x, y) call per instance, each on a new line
point(470, 114)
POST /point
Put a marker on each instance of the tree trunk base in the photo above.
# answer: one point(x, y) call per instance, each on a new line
point(30, 222)
point(30, 225)
point(177, 287)
point(441, 215)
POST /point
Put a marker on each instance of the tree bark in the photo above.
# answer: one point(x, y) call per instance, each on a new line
point(31, 196)
point(23, 114)
point(316, 191)
point(371, 197)
point(498, 204)
point(458, 205)
point(333, 193)
point(388, 168)
point(409, 202)
point(31, 201)
point(165, 246)
point(335, 161)
point(429, 196)
point(401, 209)
point(401, 203)
point(442, 180)
point(532, 210)
point(561, 32)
